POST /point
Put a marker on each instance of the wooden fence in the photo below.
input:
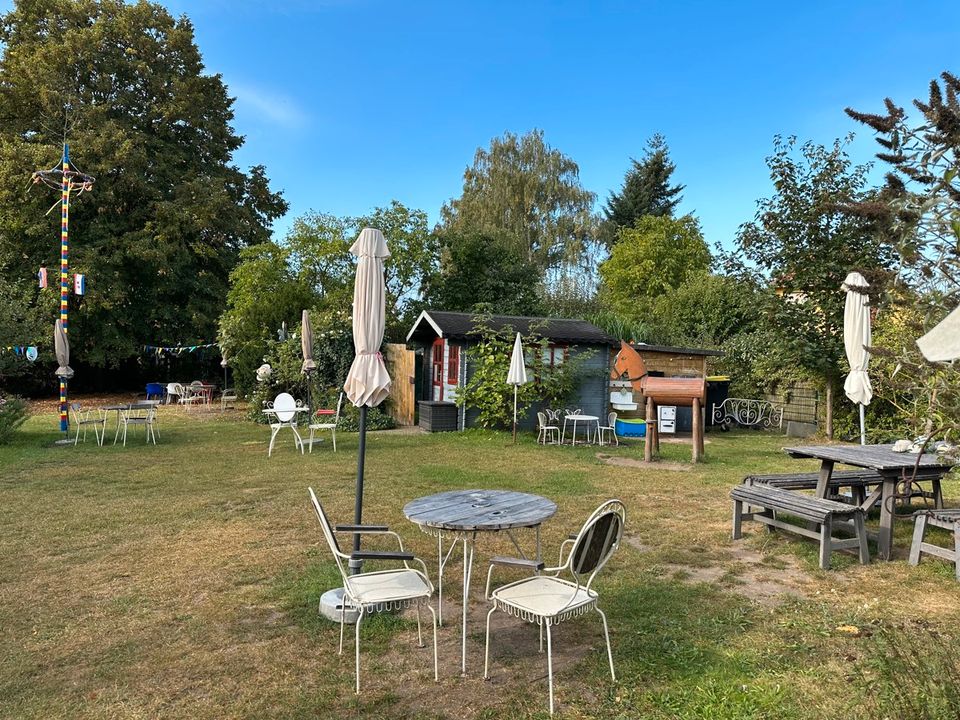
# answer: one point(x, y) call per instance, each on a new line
point(400, 364)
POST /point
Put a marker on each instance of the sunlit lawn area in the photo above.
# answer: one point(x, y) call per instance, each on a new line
point(182, 580)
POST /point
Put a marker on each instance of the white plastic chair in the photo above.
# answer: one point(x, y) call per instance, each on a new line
point(548, 599)
point(610, 427)
point(284, 410)
point(174, 390)
point(547, 430)
point(82, 417)
point(139, 416)
point(380, 591)
point(227, 397)
point(332, 427)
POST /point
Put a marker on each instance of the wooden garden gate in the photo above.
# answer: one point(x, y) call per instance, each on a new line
point(401, 365)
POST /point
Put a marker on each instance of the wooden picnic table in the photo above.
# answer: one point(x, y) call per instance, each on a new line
point(461, 514)
point(891, 466)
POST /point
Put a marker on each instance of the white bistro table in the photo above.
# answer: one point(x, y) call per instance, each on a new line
point(585, 419)
point(292, 424)
point(460, 514)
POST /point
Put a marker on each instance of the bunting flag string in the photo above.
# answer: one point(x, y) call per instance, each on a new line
point(176, 350)
point(26, 351)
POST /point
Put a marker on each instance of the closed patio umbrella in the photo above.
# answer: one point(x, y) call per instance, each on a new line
point(306, 345)
point(516, 376)
point(62, 348)
point(368, 383)
point(856, 340)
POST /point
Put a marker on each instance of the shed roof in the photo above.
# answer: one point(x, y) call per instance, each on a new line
point(460, 326)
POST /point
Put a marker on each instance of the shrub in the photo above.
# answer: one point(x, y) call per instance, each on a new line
point(13, 413)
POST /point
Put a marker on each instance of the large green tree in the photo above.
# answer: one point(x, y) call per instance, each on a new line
point(169, 213)
point(480, 272)
point(646, 189)
point(649, 260)
point(801, 245)
point(527, 193)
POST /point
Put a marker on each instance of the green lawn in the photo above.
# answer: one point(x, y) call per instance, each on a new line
point(181, 581)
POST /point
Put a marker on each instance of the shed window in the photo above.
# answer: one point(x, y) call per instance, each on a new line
point(453, 365)
point(554, 355)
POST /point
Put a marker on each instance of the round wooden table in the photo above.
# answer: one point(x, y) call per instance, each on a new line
point(461, 514)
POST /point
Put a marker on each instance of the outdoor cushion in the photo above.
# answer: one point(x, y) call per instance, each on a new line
point(378, 587)
point(543, 595)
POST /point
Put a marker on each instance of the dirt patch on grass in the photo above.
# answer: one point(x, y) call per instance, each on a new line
point(767, 580)
point(640, 464)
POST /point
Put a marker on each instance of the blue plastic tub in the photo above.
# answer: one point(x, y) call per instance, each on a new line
point(631, 428)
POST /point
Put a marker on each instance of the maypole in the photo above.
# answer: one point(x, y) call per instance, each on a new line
point(69, 180)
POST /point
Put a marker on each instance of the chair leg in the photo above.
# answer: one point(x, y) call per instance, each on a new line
point(299, 442)
point(343, 614)
point(273, 436)
point(433, 621)
point(311, 440)
point(737, 519)
point(919, 528)
point(606, 635)
point(549, 665)
point(357, 647)
point(77, 438)
point(486, 647)
point(125, 434)
point(333, 436)
point(419, 633)
point(540, 628)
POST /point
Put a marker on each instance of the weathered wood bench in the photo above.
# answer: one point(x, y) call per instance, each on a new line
point(948, 519)
point(823, 513)
point(859, 481)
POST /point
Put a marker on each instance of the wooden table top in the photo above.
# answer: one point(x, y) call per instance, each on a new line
point(877, 457)
point(480, 510)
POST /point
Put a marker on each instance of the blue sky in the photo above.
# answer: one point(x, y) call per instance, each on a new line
point(352, 103)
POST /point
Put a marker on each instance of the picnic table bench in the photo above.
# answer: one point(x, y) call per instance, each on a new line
point(859, 481)
point(948, 519)
point(825, 514)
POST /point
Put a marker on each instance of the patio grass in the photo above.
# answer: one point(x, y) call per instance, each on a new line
point(182, 580)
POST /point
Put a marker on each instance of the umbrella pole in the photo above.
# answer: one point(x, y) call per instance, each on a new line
point(356, 565)
point(514, 414)
point(863, 429)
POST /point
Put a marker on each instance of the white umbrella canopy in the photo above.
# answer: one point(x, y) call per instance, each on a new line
point(62, 348)
point(306, 343)
point(856, 338)
point(942, 343)
point(516, 376)
point(368, 382)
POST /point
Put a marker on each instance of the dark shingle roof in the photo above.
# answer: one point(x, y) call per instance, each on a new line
point(459, 326)
point(677, 350)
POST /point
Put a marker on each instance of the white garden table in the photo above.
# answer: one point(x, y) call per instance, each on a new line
point(586, 419)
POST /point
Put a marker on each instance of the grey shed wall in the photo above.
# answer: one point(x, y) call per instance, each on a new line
point(592, 396)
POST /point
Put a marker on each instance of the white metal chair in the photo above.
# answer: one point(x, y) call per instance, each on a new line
point(83, 417)
point(284, 410)
point(139, 416)
point(331, 426)
point(547, 430)
point(548, 599)
point(610, 427)
point(380, 591)
point(227, 397)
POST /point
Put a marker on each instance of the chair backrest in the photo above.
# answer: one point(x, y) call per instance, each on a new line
point(328, 533)
point(285, 407)
point(597, 539)
point(197, 384)
point(336, 418)
point(75, 411)
point(611, 419)
point(174, 389)
point(542, 419)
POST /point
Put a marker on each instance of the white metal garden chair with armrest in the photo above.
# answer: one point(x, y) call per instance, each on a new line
point(610, 427)
point(283, 411)
point(547, 430)
point(139, 416)
point(84, 418)
point(379, 591)
point(228, 397)
point(331, 426)
point(548, 599)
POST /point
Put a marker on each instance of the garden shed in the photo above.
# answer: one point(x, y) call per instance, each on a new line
point(442, 341)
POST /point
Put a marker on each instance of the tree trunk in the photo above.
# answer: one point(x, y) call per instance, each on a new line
point(829, 420)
